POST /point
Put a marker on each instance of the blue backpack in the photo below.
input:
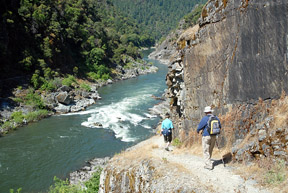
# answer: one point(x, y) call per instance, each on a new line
point(166, 132)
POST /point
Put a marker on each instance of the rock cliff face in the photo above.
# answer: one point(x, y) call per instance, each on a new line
point(236, 56)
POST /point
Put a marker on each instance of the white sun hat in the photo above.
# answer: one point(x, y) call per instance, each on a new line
point(208, 109)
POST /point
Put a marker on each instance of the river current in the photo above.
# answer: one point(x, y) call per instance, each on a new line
point(56, 146)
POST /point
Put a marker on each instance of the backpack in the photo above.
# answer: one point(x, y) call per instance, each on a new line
point(213, 125)
point(166, 132)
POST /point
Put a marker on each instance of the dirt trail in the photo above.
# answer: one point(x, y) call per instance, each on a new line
point(221, 179)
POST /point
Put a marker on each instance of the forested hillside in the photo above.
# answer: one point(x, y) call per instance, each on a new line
point(51, 38)
point(157, 16)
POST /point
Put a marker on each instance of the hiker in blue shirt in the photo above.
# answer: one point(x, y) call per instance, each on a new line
point(166, 130)
point(208, 140)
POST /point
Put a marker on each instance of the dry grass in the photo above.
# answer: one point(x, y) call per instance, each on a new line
point(260, 171)
point(155, 146)
point(280, 111)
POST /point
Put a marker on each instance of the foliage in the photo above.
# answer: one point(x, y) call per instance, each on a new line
point(100, 72)
point(45, 43)
point(277, 174)
point(17, 116)
point(17, 191)
point(8, 125)
point(176, 142)
point(191, 18)
point(34, 99)
point(36, 115)
point(64, 187)
point(69, 80)
point(85, 87)
point(156, 17)
point(94, 183)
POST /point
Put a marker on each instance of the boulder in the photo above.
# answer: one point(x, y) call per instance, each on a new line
point(64, 98)
point(49, 101)
point(64, 88)
point(62, 108)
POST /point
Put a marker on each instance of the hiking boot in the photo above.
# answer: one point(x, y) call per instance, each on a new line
point(208, 168)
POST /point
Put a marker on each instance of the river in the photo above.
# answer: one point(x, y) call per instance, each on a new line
point(56, 146)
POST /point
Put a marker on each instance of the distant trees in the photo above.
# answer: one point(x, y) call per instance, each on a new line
point(157, 17)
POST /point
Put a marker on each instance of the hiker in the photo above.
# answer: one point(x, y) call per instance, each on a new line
point(208, 135)
point(166, 130)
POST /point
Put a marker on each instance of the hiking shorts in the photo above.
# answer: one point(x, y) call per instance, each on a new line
point(168, 138)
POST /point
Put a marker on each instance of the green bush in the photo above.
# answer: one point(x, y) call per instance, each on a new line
point(17, 191)
point(7, 125)
point(69, 81)
point(35, 80)
point(36, 115)
point(94, 183)
point(93, 76)
point(17, 116)
point(105, 77)
point(34, 99)
point(17, 100)
point(176, 142)
point(277, 174)
point(85, 87)
point(48, 85)
point(100, 75)
point(62, 186)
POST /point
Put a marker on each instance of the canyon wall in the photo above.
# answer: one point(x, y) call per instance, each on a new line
point(236, 61)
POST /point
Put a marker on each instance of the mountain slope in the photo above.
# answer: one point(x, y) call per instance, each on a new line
point(158, 17)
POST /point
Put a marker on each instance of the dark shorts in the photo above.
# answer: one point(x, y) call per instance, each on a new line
point(167, 138)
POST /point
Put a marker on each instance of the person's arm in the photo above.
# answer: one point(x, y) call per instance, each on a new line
point(162, 125)
point(202, 124)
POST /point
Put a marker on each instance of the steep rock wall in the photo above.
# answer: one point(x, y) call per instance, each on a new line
point(237, 55)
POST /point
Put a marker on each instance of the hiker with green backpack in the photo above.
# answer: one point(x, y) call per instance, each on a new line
point(209, 126)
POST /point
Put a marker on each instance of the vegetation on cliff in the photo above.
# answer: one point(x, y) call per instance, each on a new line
point(159, 17)
point(51, 38)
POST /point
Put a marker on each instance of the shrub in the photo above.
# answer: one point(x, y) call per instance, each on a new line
point(68, 81)
point(105, 77)
point(93, 184)
point(48, 85)
point(57, 82)
point(35, 80)
point(7, 125)
point(17, 191)
point(63, 187)
point(85, 87)
point(17, 100)
point(93, 75)
point(176, 142)
point(36, 115)
point(17, 116)
point(34, 99)
point(277, 173)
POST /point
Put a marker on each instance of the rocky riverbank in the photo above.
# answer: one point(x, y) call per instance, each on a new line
point(15, 111)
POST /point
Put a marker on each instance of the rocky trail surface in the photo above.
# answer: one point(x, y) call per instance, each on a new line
point(175, 171)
